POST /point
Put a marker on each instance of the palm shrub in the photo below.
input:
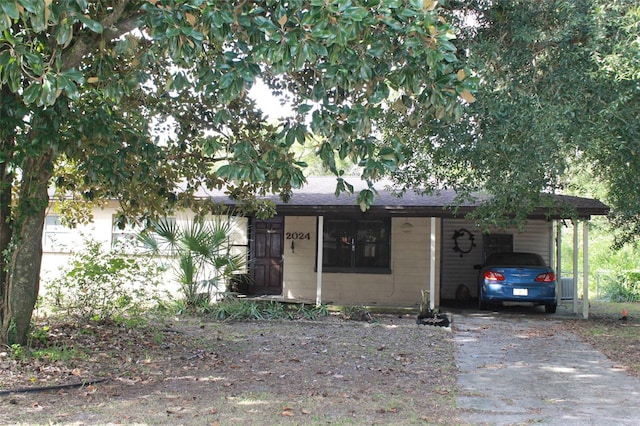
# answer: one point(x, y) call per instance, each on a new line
point(199, 252)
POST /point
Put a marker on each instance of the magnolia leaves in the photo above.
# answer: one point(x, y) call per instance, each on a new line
point(27, 61)
point(343, 65)
point(465, 94)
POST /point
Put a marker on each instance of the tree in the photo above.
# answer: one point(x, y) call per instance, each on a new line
point(558, 92)
point(613, 156)
point(147, 102)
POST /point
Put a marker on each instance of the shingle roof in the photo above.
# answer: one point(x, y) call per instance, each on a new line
point(318, 197)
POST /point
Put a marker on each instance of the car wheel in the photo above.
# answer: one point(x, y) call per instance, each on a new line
point(550, 308)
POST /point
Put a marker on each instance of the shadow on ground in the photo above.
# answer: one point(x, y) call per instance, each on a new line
point(519, 365)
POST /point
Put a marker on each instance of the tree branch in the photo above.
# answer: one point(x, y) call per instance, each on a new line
point(114, 27)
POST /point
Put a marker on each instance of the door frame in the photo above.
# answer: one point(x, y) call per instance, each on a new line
point(257, 226)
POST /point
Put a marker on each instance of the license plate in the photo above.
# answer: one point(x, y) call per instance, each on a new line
point(520, 292)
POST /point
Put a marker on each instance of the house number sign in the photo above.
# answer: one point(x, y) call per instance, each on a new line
point(298, 235)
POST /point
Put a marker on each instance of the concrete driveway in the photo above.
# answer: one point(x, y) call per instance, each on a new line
point(519, 366)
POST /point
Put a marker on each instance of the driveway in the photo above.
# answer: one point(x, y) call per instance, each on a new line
point(519, 366)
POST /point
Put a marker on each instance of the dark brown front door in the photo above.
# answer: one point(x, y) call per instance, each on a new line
point(266, 266)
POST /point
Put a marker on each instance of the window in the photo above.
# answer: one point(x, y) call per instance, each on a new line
point(126, 238)
point(356, 245)
point(57, 237)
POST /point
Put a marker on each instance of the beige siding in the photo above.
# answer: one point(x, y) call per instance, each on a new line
point(409, 267)
point(456, 270)
point(299, 277)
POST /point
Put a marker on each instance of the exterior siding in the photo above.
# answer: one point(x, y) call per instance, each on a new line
point(100, 229)
point(456, 270)
point(410, 261)
point(54, 258)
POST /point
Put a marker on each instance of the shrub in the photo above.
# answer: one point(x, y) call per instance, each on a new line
point(233, 308)
point(200, 253)
point(356, 313)
point(100, 284)
point(622, 287)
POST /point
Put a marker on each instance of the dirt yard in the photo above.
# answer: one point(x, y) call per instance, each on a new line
point(389, 371)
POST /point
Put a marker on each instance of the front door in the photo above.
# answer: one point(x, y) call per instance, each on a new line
point(267, 238)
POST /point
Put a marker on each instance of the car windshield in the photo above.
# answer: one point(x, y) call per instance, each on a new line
point(515, 259)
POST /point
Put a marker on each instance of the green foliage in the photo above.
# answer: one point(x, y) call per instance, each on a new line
point(43, 352)
point(274, 310)
point(18, 352)
point(100, 284)
point(356, 313)
point(236, 309)
point(339, 63)
point(201, 254)
point(39, 334)
point(554, 96)
point(609, 270)
point(620, 287)
point(133, 100)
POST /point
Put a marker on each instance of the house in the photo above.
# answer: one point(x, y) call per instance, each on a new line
point(324, 249)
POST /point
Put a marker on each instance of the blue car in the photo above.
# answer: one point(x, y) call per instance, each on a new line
point(516, 277)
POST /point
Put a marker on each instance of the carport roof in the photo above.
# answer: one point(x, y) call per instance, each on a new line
point(318, 197)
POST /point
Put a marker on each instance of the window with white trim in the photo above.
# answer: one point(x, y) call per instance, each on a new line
point(56, 236)
point(125, 238)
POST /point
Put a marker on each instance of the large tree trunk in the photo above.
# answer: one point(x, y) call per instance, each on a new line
point(25, 256)
point(5, 235)
point(7, 147)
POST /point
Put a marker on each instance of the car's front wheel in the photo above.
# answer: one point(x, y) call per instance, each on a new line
point(550, 308)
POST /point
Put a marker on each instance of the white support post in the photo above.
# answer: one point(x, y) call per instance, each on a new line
point(559, 257)
point(585, 269)
point(575, 267)
point(319, 261)
point(432, 266)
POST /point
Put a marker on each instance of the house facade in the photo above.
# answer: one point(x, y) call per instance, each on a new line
point(322, 248)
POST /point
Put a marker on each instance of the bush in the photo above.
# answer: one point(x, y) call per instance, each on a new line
point(356, 313)
point(200, 252)
point(233, 308)
point(100, 284)
point(622, 287)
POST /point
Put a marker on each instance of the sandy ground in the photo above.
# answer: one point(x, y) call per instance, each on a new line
point(331, 371)
point(515, 366)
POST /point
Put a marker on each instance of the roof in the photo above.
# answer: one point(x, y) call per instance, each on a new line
point(318, 197)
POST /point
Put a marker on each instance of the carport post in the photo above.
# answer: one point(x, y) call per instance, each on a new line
point(432, 266)
point(575, 266)
point(559, 258)
point(585, 269)
point(319, 261)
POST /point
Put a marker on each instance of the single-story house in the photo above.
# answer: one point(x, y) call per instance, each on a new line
point(324, 249)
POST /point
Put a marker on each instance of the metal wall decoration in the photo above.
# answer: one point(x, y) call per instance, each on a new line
point(463, 241)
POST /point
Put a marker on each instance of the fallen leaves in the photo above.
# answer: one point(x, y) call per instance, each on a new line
point(259, 372)
point(290, 411)
point(287, 412)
